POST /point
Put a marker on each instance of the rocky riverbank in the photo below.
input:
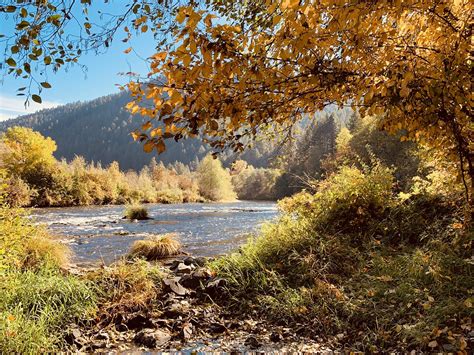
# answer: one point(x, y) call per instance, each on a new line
point(187, 318)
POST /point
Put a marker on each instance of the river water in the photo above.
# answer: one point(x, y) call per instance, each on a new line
point(98, 233)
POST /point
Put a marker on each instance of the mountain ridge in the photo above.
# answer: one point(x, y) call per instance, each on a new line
point(99, 130)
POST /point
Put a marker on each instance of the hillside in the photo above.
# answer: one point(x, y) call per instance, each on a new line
point(99, 130)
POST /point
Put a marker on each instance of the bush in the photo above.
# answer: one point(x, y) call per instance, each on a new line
point(170, 196)
point(156, 247)
point(214, 181)
point(346, 201)
point(136, 212)
point(26, 246)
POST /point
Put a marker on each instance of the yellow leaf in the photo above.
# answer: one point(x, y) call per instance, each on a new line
point(276, 20)
point(208, 20)
point(160, 56)
point(160, 147)
point(156, 132)
point(148, 146)
point(146, 126)
point(135, 136)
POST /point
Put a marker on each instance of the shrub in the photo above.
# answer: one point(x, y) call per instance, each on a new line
point(347, 200)
point(41, 250)
point(136, 212)
point(214, 181)
point(26, 246)
point(170, 196)
point(156, 247)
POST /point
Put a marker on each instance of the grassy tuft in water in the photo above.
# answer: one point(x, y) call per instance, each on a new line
point(136, 212)
point(156, 247)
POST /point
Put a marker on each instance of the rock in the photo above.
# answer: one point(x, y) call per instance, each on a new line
point(74, 336)
point(215, 287)
point(217, 328)
point(174, 310)
point(252, 342)
point(189, 261)
point(98, 344)
point(121, 327)
point(151, 338)
point(139, 321)
point(276, 337)
point(187, 331)
point(200, 261)
point(172, 284)
point(182, 268)
point(449, 348)
point(189, 281)
point(172, 264)
point(196, 278)
point(102, 336)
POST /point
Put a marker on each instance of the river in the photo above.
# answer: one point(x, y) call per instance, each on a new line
point(98, 233)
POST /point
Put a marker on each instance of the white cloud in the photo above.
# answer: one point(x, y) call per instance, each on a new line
point(11, 107)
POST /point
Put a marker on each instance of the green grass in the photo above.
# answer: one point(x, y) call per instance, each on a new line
point(353, 258)
point(36, 306)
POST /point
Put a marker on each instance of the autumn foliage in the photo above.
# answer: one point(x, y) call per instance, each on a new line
point(409, 61)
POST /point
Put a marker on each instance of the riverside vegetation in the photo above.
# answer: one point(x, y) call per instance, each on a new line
point(35, 178)
point(364, 258)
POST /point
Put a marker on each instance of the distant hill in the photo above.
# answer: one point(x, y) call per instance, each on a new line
point(99, 130)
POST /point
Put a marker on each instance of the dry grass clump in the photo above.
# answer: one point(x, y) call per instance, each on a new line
point(156, 247)
point(125, 287)
point(136, 212)
point(44, 250)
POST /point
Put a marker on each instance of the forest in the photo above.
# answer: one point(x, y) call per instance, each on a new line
point(99, 130)
point(362, 112)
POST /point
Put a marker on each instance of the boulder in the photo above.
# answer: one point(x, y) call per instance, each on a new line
point(173, 285)
point(182, 268)
point(152, 338)
point(252, 342)
point(196, 278)
point(216, 287)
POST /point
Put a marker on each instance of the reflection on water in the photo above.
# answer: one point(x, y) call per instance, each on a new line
point(100, 233)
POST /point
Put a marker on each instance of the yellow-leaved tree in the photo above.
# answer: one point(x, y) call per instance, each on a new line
point(409, 61)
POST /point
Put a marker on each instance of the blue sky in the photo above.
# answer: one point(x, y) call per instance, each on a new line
point(101, 76)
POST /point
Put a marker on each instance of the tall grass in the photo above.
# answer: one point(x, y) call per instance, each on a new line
point(37, 299)
point(126, 286)
point(355, 259)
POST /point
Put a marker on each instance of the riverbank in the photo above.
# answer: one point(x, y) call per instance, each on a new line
point(180, 315)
